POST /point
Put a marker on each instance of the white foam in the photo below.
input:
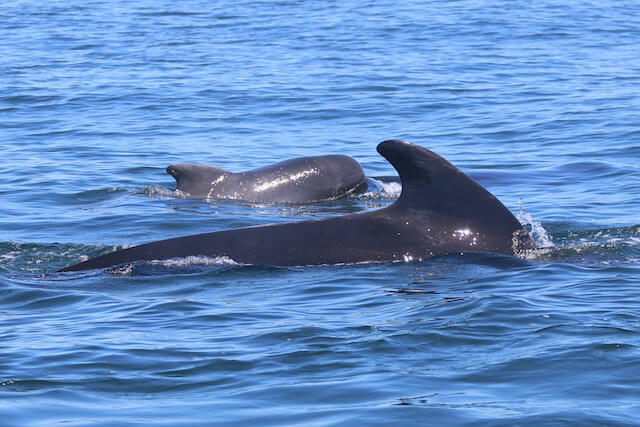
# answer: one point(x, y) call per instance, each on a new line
point(604, 240)
point(381, 190)
point(9, 256)
point(158, 192)
point(392, 188)
point(195, 260)
point(121, 270)
point(126, 269)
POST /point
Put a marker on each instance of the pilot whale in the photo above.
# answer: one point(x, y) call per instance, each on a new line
point(294, 181)
point(440, 211)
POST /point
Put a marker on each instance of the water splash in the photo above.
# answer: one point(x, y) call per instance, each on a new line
point(537, 232)
point(377, 190)
point(595, 247)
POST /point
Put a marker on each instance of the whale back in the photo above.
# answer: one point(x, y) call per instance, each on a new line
point(440, 211)
point(293, 181)
point(303, 180)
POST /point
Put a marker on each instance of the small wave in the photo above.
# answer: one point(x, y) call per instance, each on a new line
point(171, 13)
point(610, 246)
point(42, 257)
point(95, 196)
point(158, 192)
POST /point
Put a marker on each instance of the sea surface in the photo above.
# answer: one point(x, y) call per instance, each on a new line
point(537, 101)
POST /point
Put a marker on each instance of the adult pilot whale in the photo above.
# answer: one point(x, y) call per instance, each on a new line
point(293, 181)
point(440, 211)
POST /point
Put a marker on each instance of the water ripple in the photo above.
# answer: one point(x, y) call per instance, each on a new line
point(536, 101)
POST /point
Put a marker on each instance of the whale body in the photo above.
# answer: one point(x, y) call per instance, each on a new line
point(440, 211)
point(294, 181)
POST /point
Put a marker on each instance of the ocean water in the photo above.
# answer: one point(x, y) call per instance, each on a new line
point(537, 101)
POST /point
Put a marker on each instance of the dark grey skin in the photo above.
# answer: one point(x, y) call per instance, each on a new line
point(294, 181)
point(440, 211)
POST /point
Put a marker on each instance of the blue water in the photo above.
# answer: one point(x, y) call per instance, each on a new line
point(538, 101)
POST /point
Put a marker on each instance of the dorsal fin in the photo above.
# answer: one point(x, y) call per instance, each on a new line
point(429, 182)
point(194, 178)
point(194, 170)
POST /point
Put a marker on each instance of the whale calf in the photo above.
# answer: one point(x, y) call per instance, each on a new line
point(294, 181)
point(440, 211)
